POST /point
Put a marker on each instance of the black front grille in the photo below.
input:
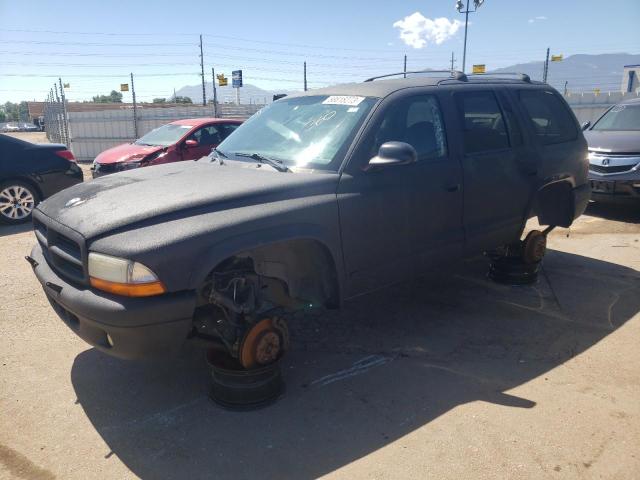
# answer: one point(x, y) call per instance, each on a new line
point(62, 253)
point(104, 168)
point(610, 168)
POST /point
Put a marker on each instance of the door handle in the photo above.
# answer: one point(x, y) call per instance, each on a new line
point(453, 188)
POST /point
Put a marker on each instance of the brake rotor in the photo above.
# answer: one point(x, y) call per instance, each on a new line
point(535, 246)
point(264, 343)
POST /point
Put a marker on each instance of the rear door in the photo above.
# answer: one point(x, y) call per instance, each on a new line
point(498, 174)
point(401, 220)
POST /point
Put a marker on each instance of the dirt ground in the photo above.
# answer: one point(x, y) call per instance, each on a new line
point(447, 377)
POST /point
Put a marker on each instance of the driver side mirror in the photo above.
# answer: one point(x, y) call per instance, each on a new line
point(393, 154)
point(190, 143)
point(586, 125)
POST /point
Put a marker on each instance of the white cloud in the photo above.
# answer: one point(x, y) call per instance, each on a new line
point(418, 31)
point(537, 19)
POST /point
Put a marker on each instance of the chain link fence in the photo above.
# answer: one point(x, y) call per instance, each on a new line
point(87, 133)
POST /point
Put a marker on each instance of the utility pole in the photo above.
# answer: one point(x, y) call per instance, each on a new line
point(546, 68)
point(204, 94)
point(65, 126)
point(405, 66)
point(305, 76)
point(453, 62)
point(58, 129)
point(135, 109)
point(565, 87)
point(215, 94)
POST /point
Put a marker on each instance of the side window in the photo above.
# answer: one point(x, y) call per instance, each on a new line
point(483, 123)
point(227, 129)
point(515, 133)
point(416, 121)
point(550, 118)
point(207, 135)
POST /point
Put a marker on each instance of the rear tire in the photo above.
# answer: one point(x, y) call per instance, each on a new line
point(17, 201)
point(534, 247)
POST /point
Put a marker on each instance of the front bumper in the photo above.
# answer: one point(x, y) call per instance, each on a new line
point(615, 188)
point(139, 328)
point(102, 169)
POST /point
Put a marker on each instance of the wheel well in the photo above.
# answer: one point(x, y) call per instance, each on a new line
point(28, 181)
point(306, 266)
point(555, 204)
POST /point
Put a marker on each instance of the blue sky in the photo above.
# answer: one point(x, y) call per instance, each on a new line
point(340, 40)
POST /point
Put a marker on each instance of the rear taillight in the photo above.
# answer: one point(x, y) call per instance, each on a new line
point(66, 154)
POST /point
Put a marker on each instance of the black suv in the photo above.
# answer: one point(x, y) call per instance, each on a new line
point(320, 197)
point(614, 153)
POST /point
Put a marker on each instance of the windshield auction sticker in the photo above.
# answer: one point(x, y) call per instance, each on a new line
point(348, 100)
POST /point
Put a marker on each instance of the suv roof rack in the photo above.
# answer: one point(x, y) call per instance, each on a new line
point(454, 74)
point(523, 76)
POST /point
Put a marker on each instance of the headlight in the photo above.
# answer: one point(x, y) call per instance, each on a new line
point(130, 165)
point(122, 277)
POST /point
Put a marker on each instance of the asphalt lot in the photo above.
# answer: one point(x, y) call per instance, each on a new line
point(447, 377)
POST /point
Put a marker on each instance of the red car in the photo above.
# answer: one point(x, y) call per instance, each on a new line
point(187, 139)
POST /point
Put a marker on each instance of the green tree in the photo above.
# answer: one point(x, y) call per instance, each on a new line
point(113, 97)
point(3, 116)
point(16, 112)
point(180, 99)
point(159, 100)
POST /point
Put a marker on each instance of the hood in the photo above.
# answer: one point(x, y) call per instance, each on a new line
point(175, 190)
point(127, 152)
point(613, 141)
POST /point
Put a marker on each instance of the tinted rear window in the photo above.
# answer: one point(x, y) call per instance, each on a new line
point(550, 118)
point(484, 125)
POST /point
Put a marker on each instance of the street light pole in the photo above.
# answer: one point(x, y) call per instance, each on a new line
point(466, 25)
point(460, 6)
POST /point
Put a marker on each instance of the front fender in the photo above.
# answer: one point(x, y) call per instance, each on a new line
point(214, 254)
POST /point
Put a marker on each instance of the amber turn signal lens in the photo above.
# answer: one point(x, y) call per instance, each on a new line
point(129, 289)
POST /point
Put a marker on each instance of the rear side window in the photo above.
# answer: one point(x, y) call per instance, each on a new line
point(515, 134)
point(227, 129)
point(483, 122)
point(550, 118)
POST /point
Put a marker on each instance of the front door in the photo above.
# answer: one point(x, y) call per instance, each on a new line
point(208, 137)
point(401, 220)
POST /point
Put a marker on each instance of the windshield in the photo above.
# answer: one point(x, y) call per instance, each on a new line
point(164, 136)
point(312, 132)
point(620, 117)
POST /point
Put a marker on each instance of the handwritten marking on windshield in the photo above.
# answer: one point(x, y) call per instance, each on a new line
point(314, 122)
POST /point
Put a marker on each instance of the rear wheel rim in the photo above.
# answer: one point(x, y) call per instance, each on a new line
point(16, 202)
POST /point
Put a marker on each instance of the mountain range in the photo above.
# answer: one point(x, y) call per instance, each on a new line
point(581, 72)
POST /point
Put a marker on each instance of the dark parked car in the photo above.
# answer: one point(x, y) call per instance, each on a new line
point(31, 172)
point(187, 139)
point(614, 153)
point(320, 197)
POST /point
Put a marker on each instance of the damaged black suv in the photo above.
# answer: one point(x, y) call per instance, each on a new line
point(318, 198)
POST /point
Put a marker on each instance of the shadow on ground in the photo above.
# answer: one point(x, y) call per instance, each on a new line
point(6, 230)
point(362, 377)
point(628, 213)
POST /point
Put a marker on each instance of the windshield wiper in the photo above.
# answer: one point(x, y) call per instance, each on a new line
point(219, 154)
point(277, 164)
